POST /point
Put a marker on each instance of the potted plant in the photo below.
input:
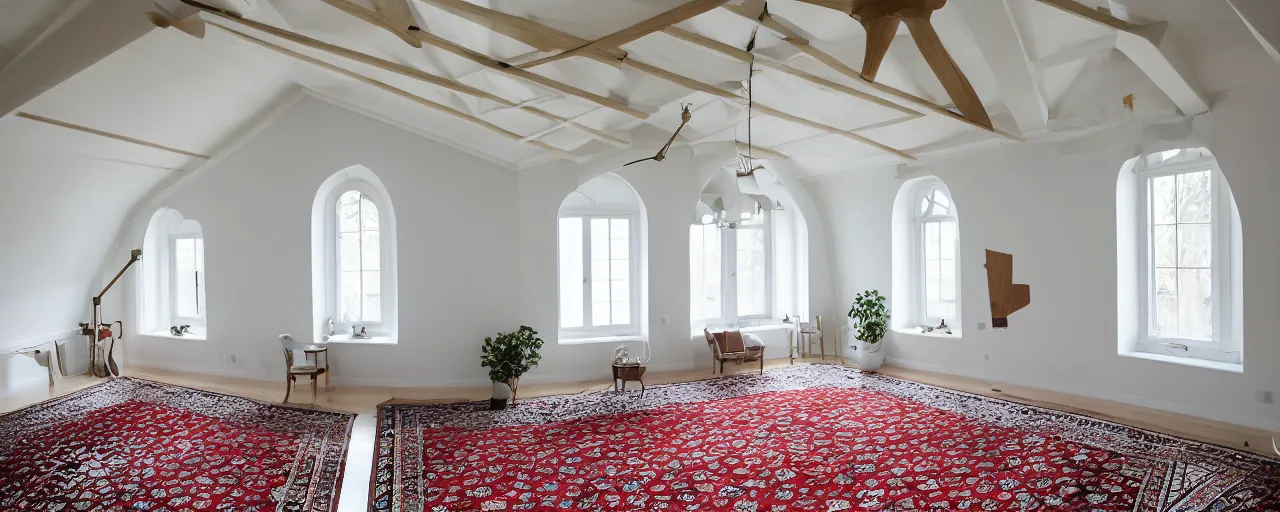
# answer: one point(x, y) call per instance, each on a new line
point(509, 356)
point(868, 323)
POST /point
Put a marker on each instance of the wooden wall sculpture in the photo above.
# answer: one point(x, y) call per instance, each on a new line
point(1006, 297)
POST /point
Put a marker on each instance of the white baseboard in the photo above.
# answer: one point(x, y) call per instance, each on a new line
point(1200, 412)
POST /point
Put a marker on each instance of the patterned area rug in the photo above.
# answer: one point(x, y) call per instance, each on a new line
point(798, 438)
point(131, 444)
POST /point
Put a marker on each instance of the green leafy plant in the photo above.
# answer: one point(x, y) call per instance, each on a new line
point(511, 354)
point(870, 316)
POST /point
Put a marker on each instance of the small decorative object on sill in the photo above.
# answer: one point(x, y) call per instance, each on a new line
point(786, 319)
point(358, 332)
point(328, 328)
point(179, 330)
point(510, 355)
point(941, 327)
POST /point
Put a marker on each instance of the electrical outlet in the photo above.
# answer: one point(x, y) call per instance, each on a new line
point(1263, 396)
point(986, 357)
point(982, 326)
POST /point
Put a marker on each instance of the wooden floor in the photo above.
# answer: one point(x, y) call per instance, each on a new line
point(364, 400)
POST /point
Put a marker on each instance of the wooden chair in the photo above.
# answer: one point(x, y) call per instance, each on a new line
point(292, 371)
point(726, 348)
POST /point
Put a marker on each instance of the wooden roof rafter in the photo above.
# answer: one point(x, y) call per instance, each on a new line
point(400, 93)
point(376, 19)
point(409, 72)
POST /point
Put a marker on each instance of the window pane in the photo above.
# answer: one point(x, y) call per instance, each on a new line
point(948, 282)
point(704, 261)
point(1166, 281)
point(924, 206)
point(1193, 245)
point(752, 287)
point(618, 249)
point(600, 290)
point(621, 291)
point(1194, 203)
point(600, 313)
point(619, 228)
point(1195, 303)
point(600, 239)
point(185, 287)
point(931, 245)
point(1166, 324)
point(370, 250)
point(349, 297)
point(349, 211)
point(599, 270)
point(368, 215)
point(349, 252)
point(571, 272)
point(1166, 246)
point(371, 299)
point(619, 269)
point(621, 313)
point(948, 240)
point(1163, 200)
point(199, 295)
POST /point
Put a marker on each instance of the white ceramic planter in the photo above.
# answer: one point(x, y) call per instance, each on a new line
point(866, 356)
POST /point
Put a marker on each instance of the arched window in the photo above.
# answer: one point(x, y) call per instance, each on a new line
point(1188, 254)
point(359, 279)
point(353, 259)
point(600, 260)
point(937, 263)
point(171, 288)
point(926, 258)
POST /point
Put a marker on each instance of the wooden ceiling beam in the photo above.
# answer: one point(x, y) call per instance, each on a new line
point(730, 51)
point(106, 134)
point(762, 151)
point(997, 37)
point(840, 88)
point(644, 28)
point(399, 92)
point(1152, 51)
point(773, 112)
point(763, 109)
point(774, 23)
point(532, 33)
point(405, 71)
point(372, 17)
point(399, 16)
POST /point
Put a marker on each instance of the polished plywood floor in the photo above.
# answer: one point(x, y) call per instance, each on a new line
point(364, 401)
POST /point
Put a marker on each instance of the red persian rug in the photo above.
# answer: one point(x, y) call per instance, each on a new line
point(798, 438)
point(131, 444)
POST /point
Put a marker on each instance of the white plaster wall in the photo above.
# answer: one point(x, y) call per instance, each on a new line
point(458, 267)
point(477, 253)
point(1053, 207)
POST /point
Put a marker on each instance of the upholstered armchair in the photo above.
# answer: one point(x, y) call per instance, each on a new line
point(730, 346)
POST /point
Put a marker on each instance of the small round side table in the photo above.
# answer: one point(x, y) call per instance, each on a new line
point(628, 372)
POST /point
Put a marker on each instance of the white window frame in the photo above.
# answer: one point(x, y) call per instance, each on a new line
point(386, 272)
point(634, 252)
point(729, 317)
point(919, 296)
point(1224, 347)
point(175, 319)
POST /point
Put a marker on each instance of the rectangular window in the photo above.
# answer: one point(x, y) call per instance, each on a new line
point(939, 243)
point(188, 280)
point(731, 272)
point(359, 260)
point(1181, 266)
point(597, 282)
point(705, 272)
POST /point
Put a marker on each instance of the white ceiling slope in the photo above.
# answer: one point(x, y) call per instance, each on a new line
point(96, 119)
